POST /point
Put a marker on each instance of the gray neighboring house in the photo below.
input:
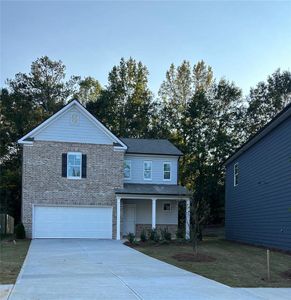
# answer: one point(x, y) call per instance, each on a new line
point(258, 187)
point(81, 181)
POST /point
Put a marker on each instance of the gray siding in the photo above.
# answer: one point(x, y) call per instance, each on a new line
point(157, 169)
point(63, 130)
point(258, 209)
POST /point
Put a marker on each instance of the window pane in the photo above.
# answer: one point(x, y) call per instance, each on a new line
point(167, 206)
point(77, 160)
point(167, 175)
point(167, 167)
point(126, 169)
point(147, 165)
point(74, 171)
point(71, 159)
point(147, 174)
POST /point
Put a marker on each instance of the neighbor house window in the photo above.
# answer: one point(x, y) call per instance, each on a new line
point(147, 170)
point(127, 169)
point(74, 165)
point(167, 207)
point(235, 174)
point(167, 171)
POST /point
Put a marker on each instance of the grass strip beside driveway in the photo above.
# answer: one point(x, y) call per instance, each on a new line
point(12, 256)
point(233, 264)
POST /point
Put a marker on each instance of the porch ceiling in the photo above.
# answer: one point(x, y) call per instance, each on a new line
point(153, 189)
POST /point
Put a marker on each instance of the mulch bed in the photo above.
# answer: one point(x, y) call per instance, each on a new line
point(199, 257)
point(286, 274)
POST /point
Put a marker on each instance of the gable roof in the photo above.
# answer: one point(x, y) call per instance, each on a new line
point(29, 137)
point(151, 146)
point(277, 120)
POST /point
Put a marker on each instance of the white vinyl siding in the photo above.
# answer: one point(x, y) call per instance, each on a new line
point(137, 169)
point(73, 126)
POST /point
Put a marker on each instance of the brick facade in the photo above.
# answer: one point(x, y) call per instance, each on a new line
point(42, 181)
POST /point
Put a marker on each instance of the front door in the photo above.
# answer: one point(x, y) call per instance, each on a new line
point(128, 219)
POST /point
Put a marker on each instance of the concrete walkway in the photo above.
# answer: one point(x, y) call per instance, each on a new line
point(106, 269)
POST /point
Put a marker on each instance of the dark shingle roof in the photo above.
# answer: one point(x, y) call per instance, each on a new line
point(153, 189)
point(150, 146)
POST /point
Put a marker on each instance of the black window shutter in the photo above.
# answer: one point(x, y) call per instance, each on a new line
point(64, 164)
point(84, 165)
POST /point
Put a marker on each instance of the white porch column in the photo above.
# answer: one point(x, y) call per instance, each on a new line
point(118, 218)
point(187, 235)
point(154, 208)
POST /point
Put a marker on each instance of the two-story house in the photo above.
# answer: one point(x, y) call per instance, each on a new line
point(80, 181)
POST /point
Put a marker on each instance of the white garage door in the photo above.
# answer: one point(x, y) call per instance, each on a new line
point(72, 222)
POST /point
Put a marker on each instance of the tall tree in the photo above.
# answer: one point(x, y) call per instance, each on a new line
point(126, 102)
point(267, 99)
point(28, 100)
point(45, 85)
point(89, 90)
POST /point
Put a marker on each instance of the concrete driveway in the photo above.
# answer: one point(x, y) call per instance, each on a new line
point(106, 269)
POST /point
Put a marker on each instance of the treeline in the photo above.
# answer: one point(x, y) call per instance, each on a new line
point(205, 117)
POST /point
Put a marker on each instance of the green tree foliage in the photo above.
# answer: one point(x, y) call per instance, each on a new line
point(126, 105)
point(267, 99)
point(89, 90)
point(28, 100)
point(203, 118)
point(45, 85)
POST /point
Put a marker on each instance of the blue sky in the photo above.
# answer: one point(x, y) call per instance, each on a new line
point(242, 41)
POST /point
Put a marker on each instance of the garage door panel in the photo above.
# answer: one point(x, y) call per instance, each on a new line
point(72, 222)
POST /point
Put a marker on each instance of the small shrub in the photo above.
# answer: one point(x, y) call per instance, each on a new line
point(153, 235)
point(180, 234)
point(143, 236)
point(166, 235)
point(131, 238)
point(19, 231)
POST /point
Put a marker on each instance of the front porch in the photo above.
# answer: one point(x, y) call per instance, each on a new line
point(147, 206)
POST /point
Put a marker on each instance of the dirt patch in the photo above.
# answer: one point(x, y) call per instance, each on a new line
point(286, 274)
point(199, 257)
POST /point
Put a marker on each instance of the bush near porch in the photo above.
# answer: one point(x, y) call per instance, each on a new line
point(231, 263)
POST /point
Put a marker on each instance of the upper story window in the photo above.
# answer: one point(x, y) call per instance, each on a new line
point(74, 165)
point(127, 169)
point(167, 171)
point(235, 174)
point(147, 170)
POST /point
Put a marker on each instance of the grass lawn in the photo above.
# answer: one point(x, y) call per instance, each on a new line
point(234, 264)
point(11, 259)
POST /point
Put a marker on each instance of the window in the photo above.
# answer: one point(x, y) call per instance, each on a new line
point(167, 207)
point(167, 171)
point(127, 169)
point(147, 170)
point(235, 174)
point(74, 165)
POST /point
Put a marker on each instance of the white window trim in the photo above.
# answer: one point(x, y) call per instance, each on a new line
point(151, 163)
point(168, 163)
point(127, 178)
point(235, 175)
point(167, 211)
point(74, 177)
